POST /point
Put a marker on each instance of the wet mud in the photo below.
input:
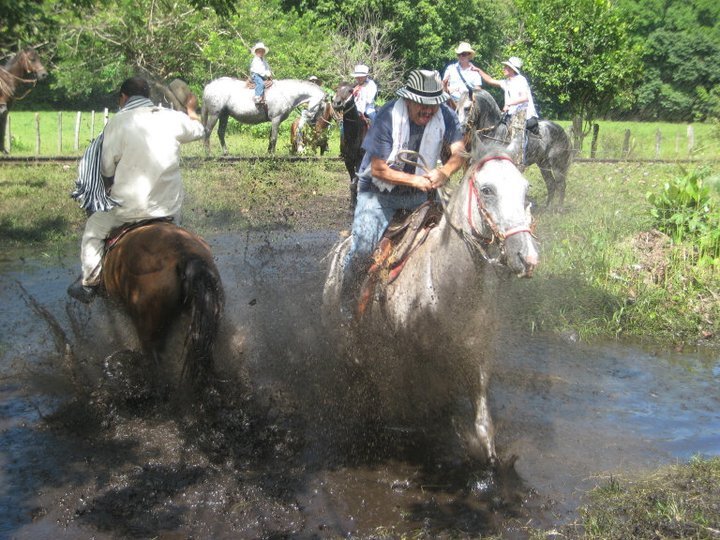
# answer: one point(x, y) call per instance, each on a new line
point(301, 436)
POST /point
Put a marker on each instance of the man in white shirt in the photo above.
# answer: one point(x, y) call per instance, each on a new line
point(460, 77)
point(140, 158)
point(365, 92)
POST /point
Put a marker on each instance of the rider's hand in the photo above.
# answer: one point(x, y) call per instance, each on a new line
point(423, 183)
point(437, 178)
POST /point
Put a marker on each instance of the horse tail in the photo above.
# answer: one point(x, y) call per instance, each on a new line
point(202, 294)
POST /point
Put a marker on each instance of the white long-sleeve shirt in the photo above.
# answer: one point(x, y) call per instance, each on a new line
point(260, 66)
point(141, 149)
point(365, 96)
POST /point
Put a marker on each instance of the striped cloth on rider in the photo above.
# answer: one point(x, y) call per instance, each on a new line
point(89, 186)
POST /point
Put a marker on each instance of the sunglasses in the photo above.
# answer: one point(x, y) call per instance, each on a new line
point(464, 54)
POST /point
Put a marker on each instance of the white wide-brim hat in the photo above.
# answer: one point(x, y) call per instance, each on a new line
point(424, 86)
point(465, 47)
point(361, 70)
point(260, 45)
point(514, 63)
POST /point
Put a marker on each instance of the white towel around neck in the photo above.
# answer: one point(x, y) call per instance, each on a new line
point(430, 144)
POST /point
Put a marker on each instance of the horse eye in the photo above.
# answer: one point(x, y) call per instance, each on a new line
point(485, 190)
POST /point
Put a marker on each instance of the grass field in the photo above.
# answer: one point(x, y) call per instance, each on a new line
point(252, 140)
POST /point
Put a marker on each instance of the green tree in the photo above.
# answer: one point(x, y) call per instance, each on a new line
point(423, 32)
point(581, 55)
point(680, 43)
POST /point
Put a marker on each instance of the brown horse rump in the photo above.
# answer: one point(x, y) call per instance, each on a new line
point(118, 232)
point(403, 236)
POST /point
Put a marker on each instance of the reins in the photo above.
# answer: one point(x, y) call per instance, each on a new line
point(476, 238)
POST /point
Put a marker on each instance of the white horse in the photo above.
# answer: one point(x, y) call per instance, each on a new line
point(226, 96)
point(447, 285)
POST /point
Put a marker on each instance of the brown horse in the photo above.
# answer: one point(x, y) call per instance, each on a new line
point(355, 127)
point(315, 136)
point(24, 67)
point(158, 271)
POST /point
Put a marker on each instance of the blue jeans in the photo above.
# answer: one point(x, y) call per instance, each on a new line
point(373, 213)
point(259, 84)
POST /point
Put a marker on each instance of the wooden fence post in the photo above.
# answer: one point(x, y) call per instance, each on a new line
point(105, 117)
point(76, 145)
point(92, 125)
point(691, 138)
point(593, 143)
point(37, 134)
point(59, 133)
point(626, 144)
point(9, 134)
point(658, 141)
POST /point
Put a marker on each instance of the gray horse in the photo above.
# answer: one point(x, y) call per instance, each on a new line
point(551, 151)
point(447, 288)
point(226, 96)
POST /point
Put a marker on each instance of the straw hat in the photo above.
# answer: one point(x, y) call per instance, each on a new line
point(514, 63)
point(361, 70)
point(424, 86)
point(465, 47)
point(260, 45)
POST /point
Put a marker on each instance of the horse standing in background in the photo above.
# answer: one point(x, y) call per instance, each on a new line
point(226, 97)
point(157, 272)
point(354, 129)
point(314, 134)
point(17, 71)
point(551, 151)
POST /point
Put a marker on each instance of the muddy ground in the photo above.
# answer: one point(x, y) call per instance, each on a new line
point(301, 436)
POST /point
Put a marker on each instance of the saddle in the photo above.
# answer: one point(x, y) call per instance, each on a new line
point(251, 84)
point(118, 232)
point(402, 237)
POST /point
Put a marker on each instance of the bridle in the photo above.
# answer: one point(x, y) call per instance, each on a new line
point(475, 237)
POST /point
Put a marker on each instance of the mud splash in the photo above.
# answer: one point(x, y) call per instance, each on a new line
point(290, 442)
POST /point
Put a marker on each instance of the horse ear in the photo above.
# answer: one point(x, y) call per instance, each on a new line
point(479, 147)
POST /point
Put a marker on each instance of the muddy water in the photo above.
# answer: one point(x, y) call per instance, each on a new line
point(292, 441)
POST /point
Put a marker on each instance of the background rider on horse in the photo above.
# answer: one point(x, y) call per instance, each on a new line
point(365, 92)
point(260, 70)
point(460, 77)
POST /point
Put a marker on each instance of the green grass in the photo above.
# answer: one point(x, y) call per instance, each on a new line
point(241, 139)
point(253, 140)
point(674, 140)
point(680, 501)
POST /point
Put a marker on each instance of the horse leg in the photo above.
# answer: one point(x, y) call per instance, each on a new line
point(274, 133)
point(209, 120)
point(3, 125)
point(222, 127)
point(482, 444)
point(550, 183)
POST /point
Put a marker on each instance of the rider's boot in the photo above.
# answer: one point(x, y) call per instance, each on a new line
point(82, 293)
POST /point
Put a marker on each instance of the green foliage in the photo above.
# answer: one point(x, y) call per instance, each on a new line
point(579, 54)
point(680, 43)
point(688, 210)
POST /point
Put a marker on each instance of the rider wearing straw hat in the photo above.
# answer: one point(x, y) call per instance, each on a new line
point(418, 121)
point(518, 96)
point(460, 77)
point(260, 70)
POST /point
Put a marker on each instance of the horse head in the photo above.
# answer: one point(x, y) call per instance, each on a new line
point(29, 60)
point(490, 204)
point(343, 93)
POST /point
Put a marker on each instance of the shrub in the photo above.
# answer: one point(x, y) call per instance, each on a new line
point(688, 210)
